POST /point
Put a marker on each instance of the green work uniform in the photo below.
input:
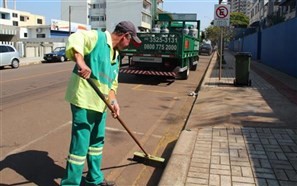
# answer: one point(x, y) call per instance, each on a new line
point(88, 110)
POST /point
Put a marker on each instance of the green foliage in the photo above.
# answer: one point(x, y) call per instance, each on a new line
point(212, 33)
point(238, 19)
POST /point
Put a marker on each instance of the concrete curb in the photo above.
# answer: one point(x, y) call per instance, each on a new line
point(25, 61)
point(31, 63)
point(176, 170)
point(209, 69)
point(177, 167)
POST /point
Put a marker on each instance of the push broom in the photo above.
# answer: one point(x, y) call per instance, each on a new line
point(144, 157)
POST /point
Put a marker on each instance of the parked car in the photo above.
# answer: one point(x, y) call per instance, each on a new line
point(9, 56)
point(58, 54)
point(205, 48)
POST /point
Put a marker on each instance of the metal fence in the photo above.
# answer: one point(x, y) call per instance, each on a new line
point(274, 46)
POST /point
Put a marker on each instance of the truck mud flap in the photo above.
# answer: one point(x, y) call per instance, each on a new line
point(147, 72)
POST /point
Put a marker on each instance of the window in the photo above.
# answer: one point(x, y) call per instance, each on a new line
point(14, 15)
point(40, 35)
point(10, 49)
point(22, 18)
point(15, 23)
point(95, 18)
point(101, 18)
point(146, 18)
point(39, 21)
point(25, 34)
point(3, 49)
point(2, 16)
point(95, 6)
point(100, 5)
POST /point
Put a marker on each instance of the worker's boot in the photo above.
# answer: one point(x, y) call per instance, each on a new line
point(107, 183)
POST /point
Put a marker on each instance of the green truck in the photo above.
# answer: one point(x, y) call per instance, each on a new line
point(171, 49)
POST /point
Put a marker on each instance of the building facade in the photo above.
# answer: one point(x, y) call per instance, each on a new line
point(240, 6)
point(266, 12)
point(262, 12)
point(104, 14)
point(288, 8)
point(76, 11)
point(20, 18)
point(13, 20)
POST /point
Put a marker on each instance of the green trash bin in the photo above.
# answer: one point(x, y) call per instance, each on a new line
point(242, 69)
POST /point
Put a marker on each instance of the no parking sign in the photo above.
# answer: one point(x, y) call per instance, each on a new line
point(222, 15)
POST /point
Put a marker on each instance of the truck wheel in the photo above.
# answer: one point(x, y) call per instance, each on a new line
point(193, 67)
point(185, 74)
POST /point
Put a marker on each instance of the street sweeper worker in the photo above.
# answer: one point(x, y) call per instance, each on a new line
point(96, 56)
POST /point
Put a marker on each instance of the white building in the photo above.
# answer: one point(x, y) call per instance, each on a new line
point(288, 8)
point(258, 11)
point(20, 18)
point(105, 14)
point(76, 11)
point(14, 23)
point(261, 10)
point(240, 6)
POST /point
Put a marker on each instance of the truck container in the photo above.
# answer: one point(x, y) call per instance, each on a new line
point(171, 49)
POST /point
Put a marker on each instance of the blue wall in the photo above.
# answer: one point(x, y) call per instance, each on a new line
point(250, 44)
point(275, 46)
point(279, 47)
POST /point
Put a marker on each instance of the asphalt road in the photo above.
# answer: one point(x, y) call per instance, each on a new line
point(36, 124)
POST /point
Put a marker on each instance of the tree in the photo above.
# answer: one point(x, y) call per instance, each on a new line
point(212, 33)
point(238, 19)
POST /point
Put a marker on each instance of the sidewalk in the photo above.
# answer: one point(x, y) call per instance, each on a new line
point(238, 135)
point(30, 60)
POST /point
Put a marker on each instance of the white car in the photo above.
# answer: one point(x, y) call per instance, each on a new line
point(9, 56)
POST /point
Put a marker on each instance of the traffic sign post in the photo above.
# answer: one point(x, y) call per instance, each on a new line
point(221, 19)
point(222, 15)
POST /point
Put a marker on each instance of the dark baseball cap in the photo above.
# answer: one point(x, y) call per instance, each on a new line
point(127, 26)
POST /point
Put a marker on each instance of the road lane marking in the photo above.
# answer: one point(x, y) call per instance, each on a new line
point(28, 77)
point(115, 173)
point(155, 91)
point(60, 127)
point(124, 131)
point(136, 87)
point(36, 140)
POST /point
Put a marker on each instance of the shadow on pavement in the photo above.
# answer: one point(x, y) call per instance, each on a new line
point(145, 79)
point(35, 166)
point(157, 173)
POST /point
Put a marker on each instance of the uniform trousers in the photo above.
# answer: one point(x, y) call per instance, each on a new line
point(87, 141)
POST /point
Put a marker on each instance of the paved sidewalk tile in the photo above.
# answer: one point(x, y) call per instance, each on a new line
point(227, 156)
point(245, 135)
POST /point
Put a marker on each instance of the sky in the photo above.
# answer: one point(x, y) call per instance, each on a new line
point(51, 8)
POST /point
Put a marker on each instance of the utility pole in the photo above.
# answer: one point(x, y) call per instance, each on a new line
point(5, 4)
point(69, 20)
point(220, 50)
point(295, 8)
point(70, 9)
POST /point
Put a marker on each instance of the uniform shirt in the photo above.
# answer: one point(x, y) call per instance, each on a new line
point(87, 43)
